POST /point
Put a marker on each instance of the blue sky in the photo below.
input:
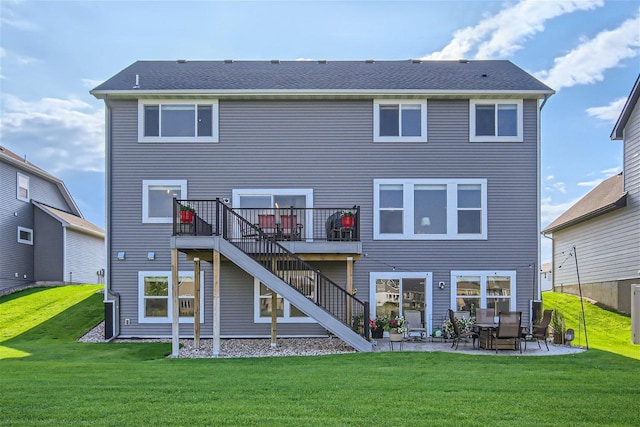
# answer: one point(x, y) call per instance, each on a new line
point(53, 52)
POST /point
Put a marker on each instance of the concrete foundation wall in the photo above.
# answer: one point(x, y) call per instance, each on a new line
point(613, 294)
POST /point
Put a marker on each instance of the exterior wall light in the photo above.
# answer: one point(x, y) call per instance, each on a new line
point(121, 256)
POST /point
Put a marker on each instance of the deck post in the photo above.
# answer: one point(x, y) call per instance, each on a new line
point(196, 303)
point(216, 303)
point(175, 305)
point(274, 319)
point(349, 287)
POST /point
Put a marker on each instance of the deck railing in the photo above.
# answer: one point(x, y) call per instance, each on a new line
point(311, 224)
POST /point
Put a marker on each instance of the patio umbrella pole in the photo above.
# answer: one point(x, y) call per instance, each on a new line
point(584, 320)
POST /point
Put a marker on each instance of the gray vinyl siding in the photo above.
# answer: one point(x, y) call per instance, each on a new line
point(608, 246)
point(85, 255)
point(327, 146)
point(48, 248)
point(18, 257)
point(15, 258)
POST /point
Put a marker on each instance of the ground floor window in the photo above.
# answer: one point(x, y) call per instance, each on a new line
point(155, 305)
point(483, 289)
point(394, 293)
point(286, 312)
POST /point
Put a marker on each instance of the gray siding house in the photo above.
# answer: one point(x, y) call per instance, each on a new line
point(44, 237)
point(438, 161)
point(604, 226)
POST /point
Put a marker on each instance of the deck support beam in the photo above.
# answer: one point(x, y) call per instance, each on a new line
point(175, 305)
point(216, 303)
point(350, 286)
point(196, 303)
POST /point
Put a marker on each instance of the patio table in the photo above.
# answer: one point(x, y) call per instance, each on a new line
point(485, 331)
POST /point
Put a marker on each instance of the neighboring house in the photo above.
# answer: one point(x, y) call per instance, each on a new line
point(604, 227)
point(546, 276)
point(439, 161)
point(44, 236)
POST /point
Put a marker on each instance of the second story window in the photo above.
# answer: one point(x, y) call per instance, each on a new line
point(495, 121)
point(178, 121)
point(399, 121)
point(157, 199)
point(430, 209)
point(22, 190)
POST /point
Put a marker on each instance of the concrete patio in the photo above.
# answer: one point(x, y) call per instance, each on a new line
point(383, 344)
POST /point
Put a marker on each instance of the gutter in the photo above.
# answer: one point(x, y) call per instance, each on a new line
point(620, 203)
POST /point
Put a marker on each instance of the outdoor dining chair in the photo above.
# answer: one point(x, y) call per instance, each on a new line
point(459, 335)
point(540, 331)
point(508, 328)
point(289, 227)
point(267, 224)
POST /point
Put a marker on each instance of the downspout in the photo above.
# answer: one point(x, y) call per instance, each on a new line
point(109, 295)
point(553, 264)
point(539, 195)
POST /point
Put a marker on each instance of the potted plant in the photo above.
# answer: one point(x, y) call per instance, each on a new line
point(396, 328)
point(377, 326)
point(186, 213)
point(348, 219)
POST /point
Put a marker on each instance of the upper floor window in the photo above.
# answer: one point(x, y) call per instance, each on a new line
point(495, 121)
point(157, 199)
point(178, 121)
point(22, 190)
point(399, 121)
point(430, 209)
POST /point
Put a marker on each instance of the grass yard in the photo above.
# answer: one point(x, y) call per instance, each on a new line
point(61, 382)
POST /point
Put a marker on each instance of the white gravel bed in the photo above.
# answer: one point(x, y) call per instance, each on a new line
point(242, 347)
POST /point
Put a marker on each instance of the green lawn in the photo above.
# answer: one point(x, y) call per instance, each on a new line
point(61, 382)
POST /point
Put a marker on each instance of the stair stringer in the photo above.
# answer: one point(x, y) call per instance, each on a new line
point(292, 295)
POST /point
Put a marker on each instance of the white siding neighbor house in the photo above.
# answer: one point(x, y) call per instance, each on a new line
point(602, 230)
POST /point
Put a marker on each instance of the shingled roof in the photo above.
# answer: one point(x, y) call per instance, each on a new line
point(605, 197)
point(324, 76)
point(72, 221)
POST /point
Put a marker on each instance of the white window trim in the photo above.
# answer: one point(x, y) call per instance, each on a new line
point(400, 102)
point(145, 198)
point(375, 275)
point(306, 192)
point(287, 309)
point(214, 121)
point(408, 214)
point(483, 286)
point(472, 121)
point(26, 177)
point(167, 319)
point(25, 241)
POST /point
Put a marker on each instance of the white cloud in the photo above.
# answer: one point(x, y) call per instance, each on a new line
point(611, 171)
point(59, 134)
point(609, 113)
point(550, 211)
point(591, 183)
point(90, 83)
point(550, 177)
point(586, 63)
point(9, 17)
point(502, 34)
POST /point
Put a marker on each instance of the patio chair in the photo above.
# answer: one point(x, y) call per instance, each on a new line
point(289, 227)
point(267, 224)
point(484, 315)
point(458, 335)
point(508, 328)
point(414, 323)
point(540, 331)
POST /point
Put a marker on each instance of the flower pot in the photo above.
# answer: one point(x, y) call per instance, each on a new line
point(186, 216)
point(395, 336)
point(377, 333)
point(347, 221)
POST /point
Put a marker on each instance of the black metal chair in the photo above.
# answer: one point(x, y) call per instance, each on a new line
point(509, 328)
point(540, 331)
point(458, 335)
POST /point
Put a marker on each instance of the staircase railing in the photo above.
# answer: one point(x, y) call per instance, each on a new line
point(263, 248)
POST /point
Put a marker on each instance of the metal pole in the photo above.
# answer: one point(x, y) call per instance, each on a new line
point(584, 320)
